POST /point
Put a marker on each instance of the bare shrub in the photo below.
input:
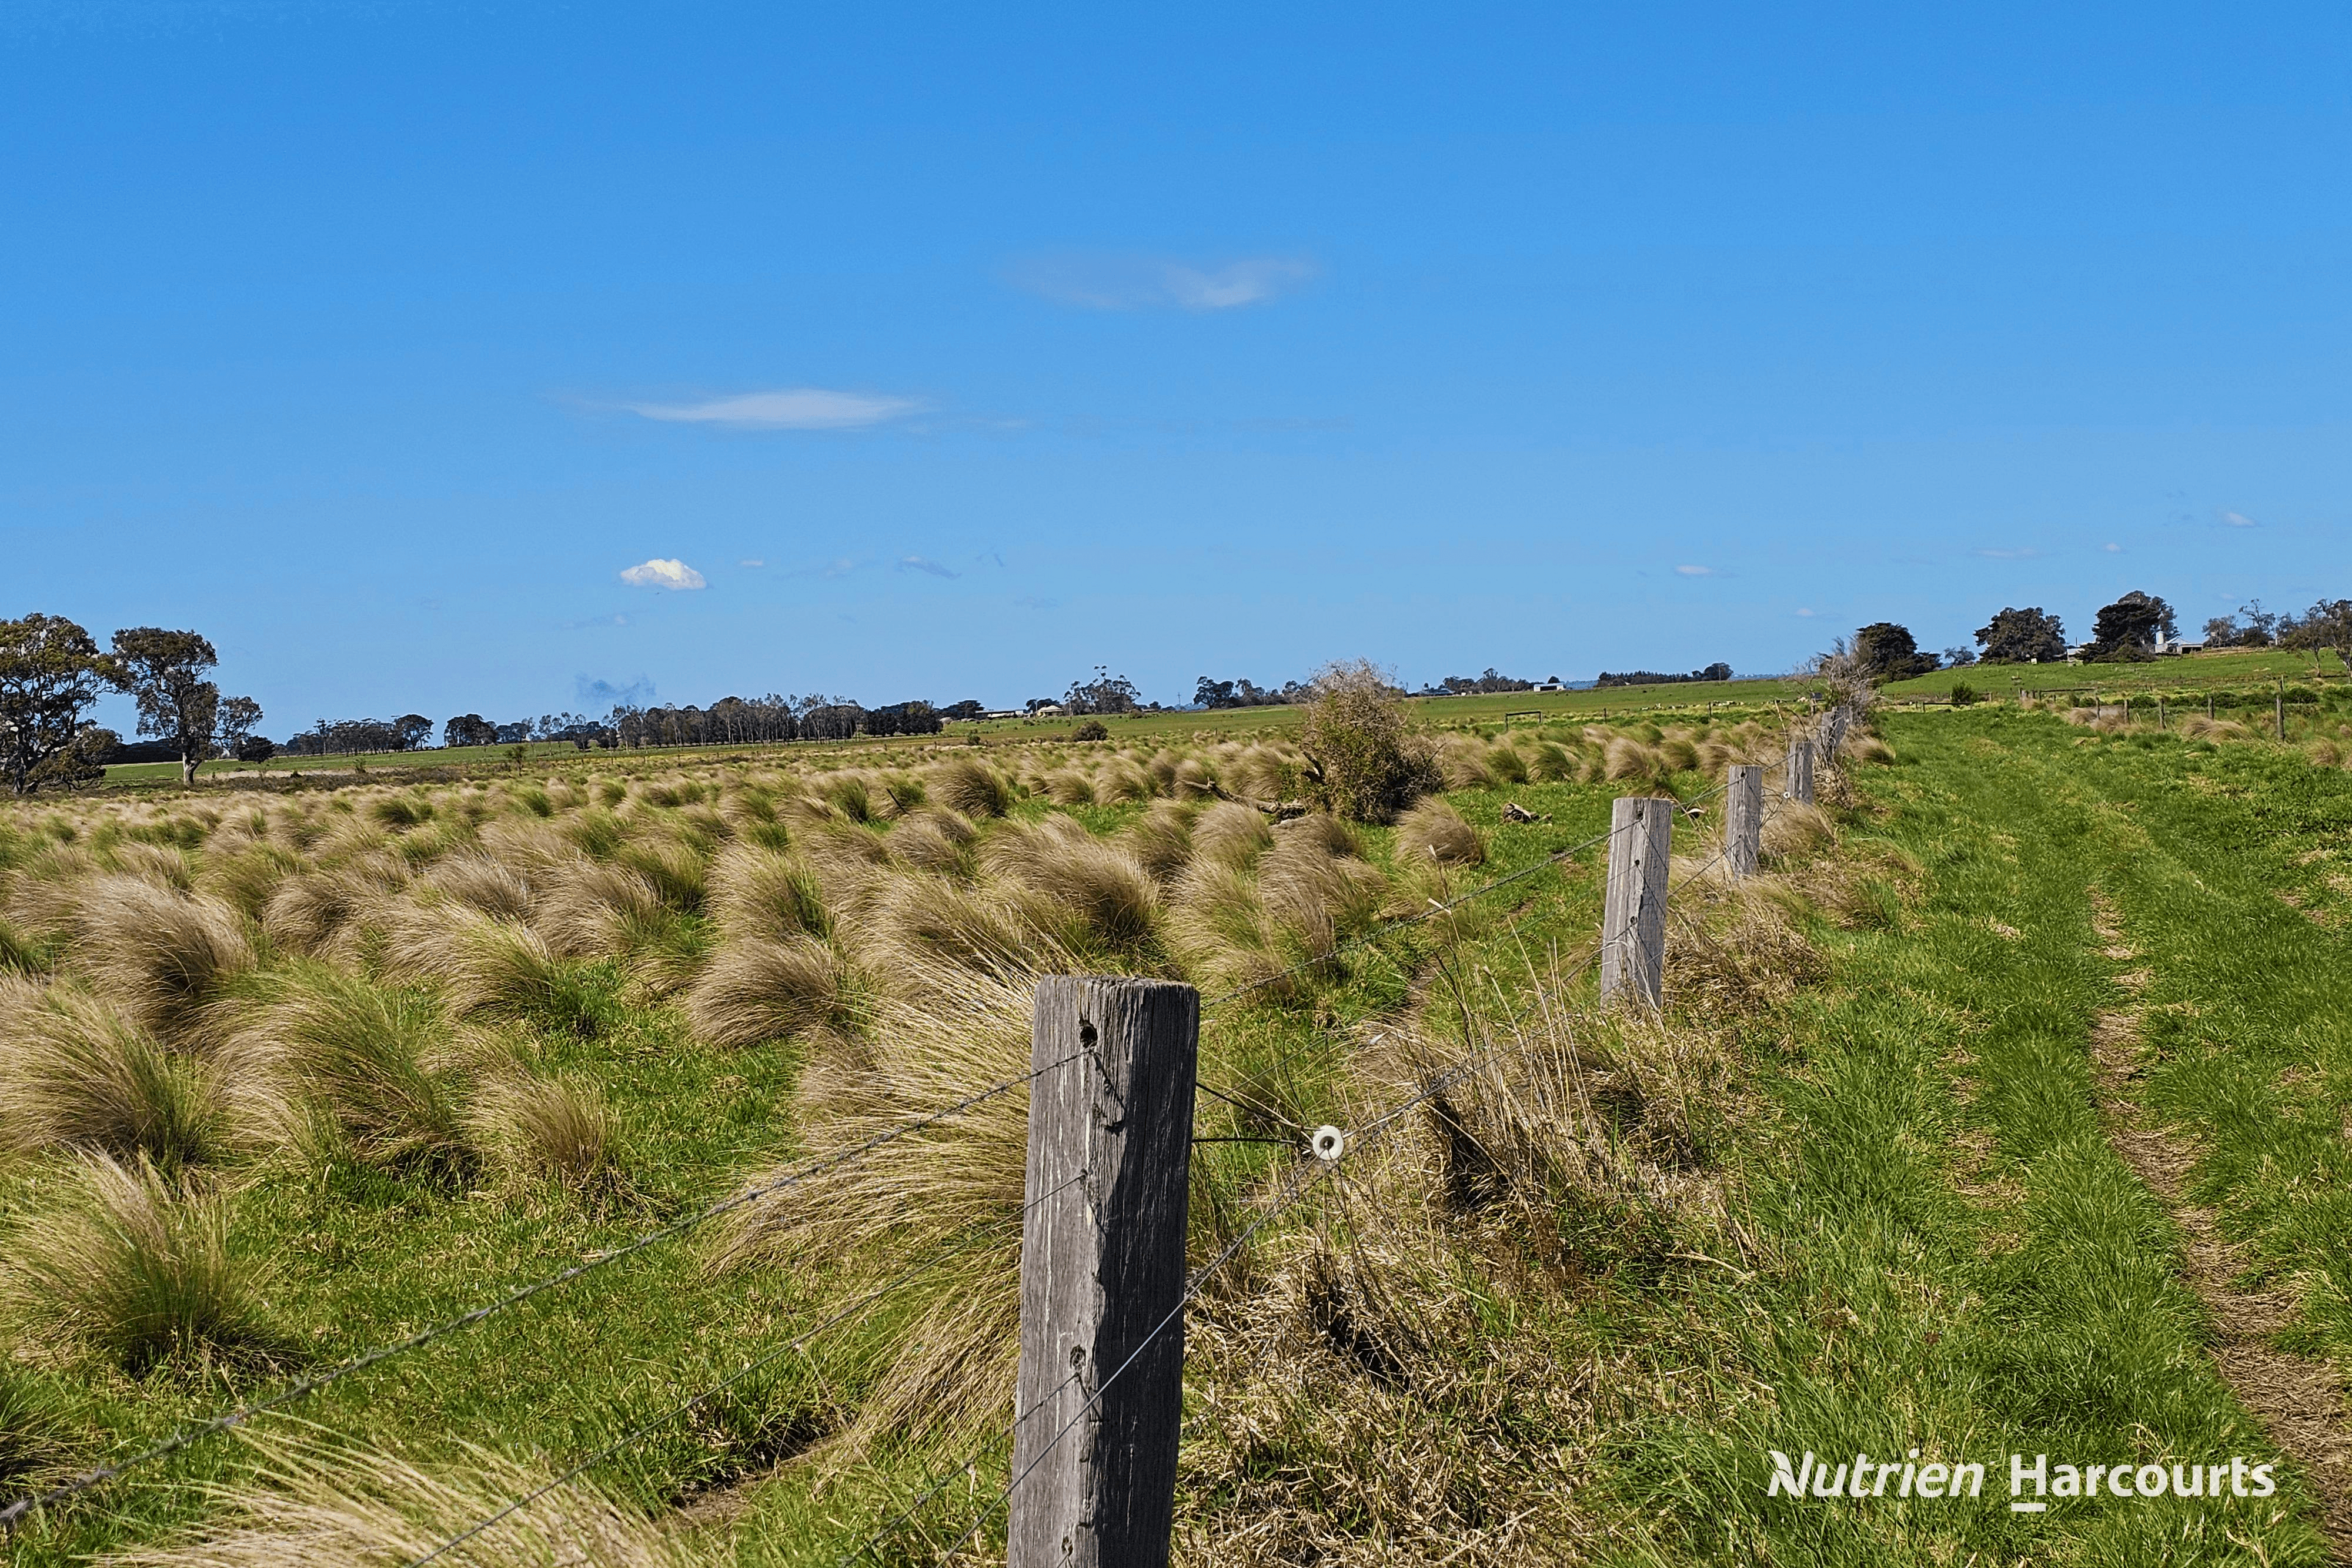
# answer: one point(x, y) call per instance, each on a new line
point(1362, 763)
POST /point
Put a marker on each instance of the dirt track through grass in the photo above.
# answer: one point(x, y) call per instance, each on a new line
point(2212, 920)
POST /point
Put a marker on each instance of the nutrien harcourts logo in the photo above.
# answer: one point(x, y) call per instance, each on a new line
point(2031, 1486)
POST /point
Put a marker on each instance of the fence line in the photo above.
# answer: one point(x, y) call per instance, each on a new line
point(304, 1387)
point(15, 1511)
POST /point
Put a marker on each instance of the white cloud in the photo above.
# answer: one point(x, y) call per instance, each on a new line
point(660, 573)
point(1693, 572)
point(1807, 614)
point(2240, 520)
point(2026, 554)
point(917, 563)
point(1142, 282)
point(2113, 549)
point(794, 408)
point(751, 560)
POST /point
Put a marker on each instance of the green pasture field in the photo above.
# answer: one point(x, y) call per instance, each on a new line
point(1932, 1240)
point(2252, 668)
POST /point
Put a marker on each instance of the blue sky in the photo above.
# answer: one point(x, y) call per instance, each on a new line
point(955, 351)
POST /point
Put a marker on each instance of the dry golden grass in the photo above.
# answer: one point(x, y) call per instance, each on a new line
point(766, 987)
point(76, 1073)
point(589, 908)
point(932, 1042)
point(759, 892)
point(324, 911)
point(545, 1129)
point(970, 786)
point(1231, 834)
point(376, 1070)
point(1434, 832)
point(479, 961)
point(317, 1504)
point(481, 883)
point(1098, 899)
point(161, 956)
point(121, 1268)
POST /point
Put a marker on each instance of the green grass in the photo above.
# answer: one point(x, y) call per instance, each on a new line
point(2189, 673)
point(1941, 1249)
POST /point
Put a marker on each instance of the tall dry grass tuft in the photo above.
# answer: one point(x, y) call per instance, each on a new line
point(1231, 834)
point(949, 1367)
point(1095, 896)
point(766, 987)
point(1161, 839)
point(76, 1073)
point(972, 786)
point(315, 1504)
point(1623, 756)
point(590, 908)
point(934, 840)
point(545, 1129)
point(163, 957)
point(1792, 828)
point(322, 913)
point(121, 1268)
point(1464, 764)
point(1070, 787)
point(1434, 833)
point(1314, 899)
point(374, 1067)
point(484, 963)
point(245, 877)
point(759, 892)
point(481, 883)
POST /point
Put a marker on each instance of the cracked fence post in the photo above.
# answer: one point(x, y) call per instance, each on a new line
point(1800, 772)
point(1102, 1267)
point(1633, 915)
point(1743, 819)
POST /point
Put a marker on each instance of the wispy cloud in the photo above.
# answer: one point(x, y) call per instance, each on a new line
point(1093, 282)
point(1693, 572)
point(751, 560)
point(1807, 614)
point(1031, 602)
point(840, 566)
point(917, 563)
point(2025, 553)
point(660, 573)
point(596, 620)
point(2111, 548)
point(603, 693)
point(793, 408)
point(2240, 520)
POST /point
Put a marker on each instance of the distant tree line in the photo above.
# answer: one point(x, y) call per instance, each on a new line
point(2326, 624)
point(2135, 626)
point(1718, 671)
point(1209, 693)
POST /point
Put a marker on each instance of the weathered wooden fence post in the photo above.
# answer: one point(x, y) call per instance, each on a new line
point(1633, 913)
point(1743, 819)
point(1800, 772)
point(1102, 1267)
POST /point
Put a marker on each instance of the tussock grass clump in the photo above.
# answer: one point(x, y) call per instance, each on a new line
point(934, 840)
point(1098, 898)
point(1624, 756)
point(972, 786)
point(948, 1366)
point(766, 987)
point(370, 1065)
point(163, 956)
point(36, 1434)
point(244, 878)
point(486, 964)
point(76, 1073)
point(323, 912)
point(548, 1129)
point(1434, 833)
point(1161, 839)
point(1792, 829)
point(590, 907)
point(121, 1268)
point(1231, 834)
point(314, 1504)
point(482, 882)
point(759, 892)
point(1070, 787)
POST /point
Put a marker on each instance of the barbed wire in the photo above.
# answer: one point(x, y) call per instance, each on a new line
point(302, 1388)
point(681, 1407)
